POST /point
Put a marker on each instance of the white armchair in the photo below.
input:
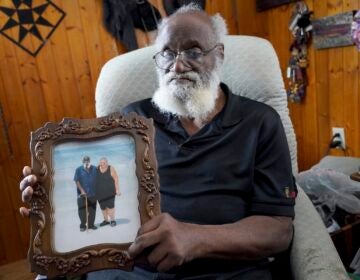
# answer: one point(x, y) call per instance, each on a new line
point(251, 69)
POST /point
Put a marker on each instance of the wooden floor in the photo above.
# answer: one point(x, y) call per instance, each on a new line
point(19, 270)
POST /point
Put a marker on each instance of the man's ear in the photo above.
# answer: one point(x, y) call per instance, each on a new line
point(221, 50)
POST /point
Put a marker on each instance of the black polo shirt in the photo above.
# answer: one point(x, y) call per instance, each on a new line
point(235, 166)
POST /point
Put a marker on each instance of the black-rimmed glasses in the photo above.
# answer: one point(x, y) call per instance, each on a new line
point(166, 59)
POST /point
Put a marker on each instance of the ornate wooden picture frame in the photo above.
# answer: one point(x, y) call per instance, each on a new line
point(59, 244)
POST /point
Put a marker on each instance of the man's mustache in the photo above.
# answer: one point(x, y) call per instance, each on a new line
point(192, 76)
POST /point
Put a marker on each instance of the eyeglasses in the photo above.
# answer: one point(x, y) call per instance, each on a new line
point(166, 59)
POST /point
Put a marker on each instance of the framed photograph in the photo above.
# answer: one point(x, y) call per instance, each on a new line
point(333, 31)
point(97, 183)
point(262, 5)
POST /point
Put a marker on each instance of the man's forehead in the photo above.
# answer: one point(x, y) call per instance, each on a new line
point(187, 28)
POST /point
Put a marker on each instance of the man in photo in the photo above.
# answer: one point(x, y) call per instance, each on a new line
point(85, 180)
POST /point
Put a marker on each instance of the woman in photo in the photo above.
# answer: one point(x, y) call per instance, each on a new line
point(107, 186)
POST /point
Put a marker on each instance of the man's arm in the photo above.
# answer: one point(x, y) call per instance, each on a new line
point(174, 243)
point(78, 185)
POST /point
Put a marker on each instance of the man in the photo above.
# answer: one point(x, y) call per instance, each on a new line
point(224, 166)
point(85, 180)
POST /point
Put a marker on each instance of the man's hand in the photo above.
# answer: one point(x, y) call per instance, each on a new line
point(26, 185)
point(172, 243)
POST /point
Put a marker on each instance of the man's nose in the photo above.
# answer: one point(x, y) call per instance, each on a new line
point(179, 66)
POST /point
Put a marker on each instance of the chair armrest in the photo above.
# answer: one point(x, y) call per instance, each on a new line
point(313, 255)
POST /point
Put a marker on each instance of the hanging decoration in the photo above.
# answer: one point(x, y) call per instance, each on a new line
point(262, 5)
point(122, 17)
point(355, 29)
point(333, 31)
point(29, 24)
point(300, 26)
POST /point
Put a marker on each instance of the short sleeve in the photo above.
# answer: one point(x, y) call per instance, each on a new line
point(76, 175)
point(274, 185)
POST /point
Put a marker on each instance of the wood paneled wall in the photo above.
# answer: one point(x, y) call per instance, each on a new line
point(333, 93)
point(60, 82)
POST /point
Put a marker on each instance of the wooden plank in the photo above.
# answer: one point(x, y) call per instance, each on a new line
point(19, 270)
point(63, 67)
point(230, 16)
point(50, 84)
point(249, 21)
point(309, 112)
point(79, 57)
point(92, 38)
point(13, 171)
point(322, 87)
point(10, 168)
point(351, 91)
point(19, 123)
point(6, 146)
point(159, 5)
point(9, 235)
point(336, 78)
point(32, 92)
point(108, 43)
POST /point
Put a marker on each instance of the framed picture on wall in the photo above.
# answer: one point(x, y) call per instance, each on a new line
point(97, 183)
point(333, 31)
point(262, 5)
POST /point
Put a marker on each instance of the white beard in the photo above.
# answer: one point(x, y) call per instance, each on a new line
point(192, 99)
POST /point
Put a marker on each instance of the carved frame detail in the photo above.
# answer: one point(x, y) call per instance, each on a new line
point(42, 257)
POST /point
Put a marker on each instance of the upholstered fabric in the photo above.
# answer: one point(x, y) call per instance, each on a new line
point(251, 69)
point(313, 255)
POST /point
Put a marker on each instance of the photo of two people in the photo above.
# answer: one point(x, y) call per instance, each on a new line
point(95, 192)
point(96, 184)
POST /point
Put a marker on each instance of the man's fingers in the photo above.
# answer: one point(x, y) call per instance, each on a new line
point(27, 194)
point(142, 242)
point(157, 255)
point(27, 181)
point(167, 263)
point(155, 222)
point(149, 226)
point(25, 212)
point(27, 171)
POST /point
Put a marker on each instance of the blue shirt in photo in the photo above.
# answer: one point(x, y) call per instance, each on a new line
point(87, 179)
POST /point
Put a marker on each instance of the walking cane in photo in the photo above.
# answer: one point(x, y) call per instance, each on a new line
point(86, 212)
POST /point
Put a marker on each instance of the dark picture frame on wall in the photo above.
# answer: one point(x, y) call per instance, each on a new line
point(59, 243)
point(333, 31)
point(262, 5)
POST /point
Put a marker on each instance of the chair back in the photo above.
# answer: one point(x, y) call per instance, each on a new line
point(251, 69)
